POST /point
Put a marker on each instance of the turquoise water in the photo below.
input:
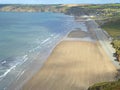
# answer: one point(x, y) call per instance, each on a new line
point(23, 35)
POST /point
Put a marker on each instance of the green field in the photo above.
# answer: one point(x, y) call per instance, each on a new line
point(113, 28)
point(103, 6)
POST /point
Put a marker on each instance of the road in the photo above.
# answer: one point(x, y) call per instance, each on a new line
point(105, 42)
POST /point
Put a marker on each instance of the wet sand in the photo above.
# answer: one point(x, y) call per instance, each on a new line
point(73, 65)
point(78, 34)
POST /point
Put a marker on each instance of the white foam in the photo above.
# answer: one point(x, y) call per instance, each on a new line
point(8, 71)
point(3, 62)
point(34, 49)
point(46, 40)
point(25, 57)
point(19, 61)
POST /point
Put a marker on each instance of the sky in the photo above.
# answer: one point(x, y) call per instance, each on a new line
point(58, 1)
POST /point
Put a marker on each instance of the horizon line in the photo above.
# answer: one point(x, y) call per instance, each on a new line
point(53, 3)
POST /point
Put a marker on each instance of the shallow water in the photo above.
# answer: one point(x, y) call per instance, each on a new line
point(26, 35)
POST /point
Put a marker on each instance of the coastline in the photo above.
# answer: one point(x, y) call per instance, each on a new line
point(26, 73)
point(106, 46)
point(33, 82)
point(17, 84)
point(22, 72)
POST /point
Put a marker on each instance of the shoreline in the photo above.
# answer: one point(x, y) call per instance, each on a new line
point(14, 86)
point(17, 85)
point(27, 85)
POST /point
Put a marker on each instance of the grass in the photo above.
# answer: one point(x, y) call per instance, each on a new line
point(103, 6)
point(115, 85)
point(113, 27)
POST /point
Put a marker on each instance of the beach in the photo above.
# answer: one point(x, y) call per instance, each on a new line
point(26, 42)
point(76, 63)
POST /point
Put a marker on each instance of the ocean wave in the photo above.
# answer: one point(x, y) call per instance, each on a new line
point(8, 64)
point(7, 71)
point(41, 44)
point(34, 49)
point(46, 40)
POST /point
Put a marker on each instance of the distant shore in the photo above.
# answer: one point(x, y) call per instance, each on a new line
point(74, 64)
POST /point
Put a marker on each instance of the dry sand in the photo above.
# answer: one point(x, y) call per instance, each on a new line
point(73, 65)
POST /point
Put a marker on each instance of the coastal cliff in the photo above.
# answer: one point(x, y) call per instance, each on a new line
point(102, 11)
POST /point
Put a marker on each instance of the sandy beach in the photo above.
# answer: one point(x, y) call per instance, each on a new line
point(74, 65)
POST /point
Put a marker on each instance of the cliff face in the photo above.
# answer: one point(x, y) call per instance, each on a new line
point(71, 9)
point(32, 8)
point(107, 10)
point(76, 10)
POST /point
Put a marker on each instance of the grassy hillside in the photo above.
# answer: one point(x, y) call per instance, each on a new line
point(115, 85)
point(113, 27)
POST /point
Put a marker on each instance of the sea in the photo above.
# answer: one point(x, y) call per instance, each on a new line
point(25, 37)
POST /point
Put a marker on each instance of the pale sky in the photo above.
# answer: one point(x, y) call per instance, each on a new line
point(58, 1)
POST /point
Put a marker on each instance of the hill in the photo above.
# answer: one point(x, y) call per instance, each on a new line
point(115, 85)
point(101, 11)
